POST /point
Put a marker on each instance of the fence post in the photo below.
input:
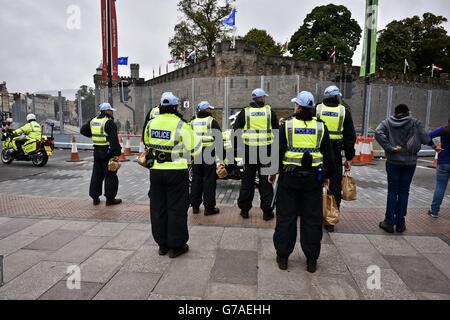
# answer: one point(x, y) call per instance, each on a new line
point(193, 97)
point(262, 82)
point(61, 113)
point(225, 120)
point(317, 91)
point(1, 271)
point(33, 104)
point(369, 103)
point(429, 102)
point(389, 101)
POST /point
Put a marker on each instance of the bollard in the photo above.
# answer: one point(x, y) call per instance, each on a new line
point(1, 271)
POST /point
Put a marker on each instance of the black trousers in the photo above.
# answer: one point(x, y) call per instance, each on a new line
point(336, 179)
point(247, 191)
point(169, 204)
point(203, 188)
point(298, 195)
point(100, 173)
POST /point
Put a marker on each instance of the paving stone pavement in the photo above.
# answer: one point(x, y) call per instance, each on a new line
point(223, 263)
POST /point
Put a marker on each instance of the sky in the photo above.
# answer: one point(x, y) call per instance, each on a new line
point(40, 53)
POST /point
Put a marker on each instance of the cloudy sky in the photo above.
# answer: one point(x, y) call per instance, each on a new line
point(39, 52)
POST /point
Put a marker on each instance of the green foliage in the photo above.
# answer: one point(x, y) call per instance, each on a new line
point(200, 27)
point(264, 41)
point(88, 107)
point(326, 27)
point(422, 42)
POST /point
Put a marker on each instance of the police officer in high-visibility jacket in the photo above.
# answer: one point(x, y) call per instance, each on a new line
point(153, 113)
point(306, 164)
point(256, 122)
point(204, 180)
point(31, 130)
point(103, 131)
point(171, 142)
point(336, 115)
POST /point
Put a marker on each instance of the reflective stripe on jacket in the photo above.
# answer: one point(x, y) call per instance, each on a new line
point(303, 137)
point(334, 118)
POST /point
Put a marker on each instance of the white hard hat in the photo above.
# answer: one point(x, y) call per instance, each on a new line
point(31, 117)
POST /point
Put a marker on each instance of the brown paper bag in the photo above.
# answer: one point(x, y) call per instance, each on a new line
point(348, 187)
point(330, 209)
point(142, 159)
point(114, 165)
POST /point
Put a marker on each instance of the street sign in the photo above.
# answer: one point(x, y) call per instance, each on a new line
point(186, 105)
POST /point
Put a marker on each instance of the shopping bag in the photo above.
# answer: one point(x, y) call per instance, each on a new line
point(142, 159)
point(348, 187)
point(114, 165)
point(330, 209)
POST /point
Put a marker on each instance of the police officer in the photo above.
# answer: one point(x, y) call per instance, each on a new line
point(168, 137)
point(204, 168)
point(103, 132)
point(307, 162)
point(336, 115)
point(256, 122)
point(30, 131)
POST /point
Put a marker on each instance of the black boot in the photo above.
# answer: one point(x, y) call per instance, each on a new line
point(211, 212)
point(267, 216)
point(400, 229)
point(386, 227)
point(311, 266)
point(176, 252)
point(282, 263)
point(195, 210)
point(244, 214)
point(329, 228)
point(163, 251)
point(96, 202)
point(113, 202)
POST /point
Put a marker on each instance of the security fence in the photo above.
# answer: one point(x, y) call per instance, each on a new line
point(229, 95)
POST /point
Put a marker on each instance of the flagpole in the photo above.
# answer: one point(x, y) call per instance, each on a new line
point(365, 129)
point(110, 83)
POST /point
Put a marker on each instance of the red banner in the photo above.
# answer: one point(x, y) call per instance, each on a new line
point(114, 42)
point(104, 39)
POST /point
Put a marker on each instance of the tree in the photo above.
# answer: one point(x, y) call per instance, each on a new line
point(264, 41)
point(324, 28)
point(88, 107)
point(200, 28)
point(422, 42)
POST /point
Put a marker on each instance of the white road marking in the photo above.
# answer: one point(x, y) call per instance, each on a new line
point(425, 168)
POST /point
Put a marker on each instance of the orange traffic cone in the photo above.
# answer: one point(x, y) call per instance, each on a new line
point(122, 157)
point(435, 161)
point(127, 145)
point(141, 150)
point(366, 151)
point(358, 146)
point(74, 156)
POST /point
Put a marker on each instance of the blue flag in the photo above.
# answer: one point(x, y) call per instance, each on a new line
point(231, 19)
point(123, 61)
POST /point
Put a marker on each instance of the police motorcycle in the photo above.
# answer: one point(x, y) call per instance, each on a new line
point(37, 151)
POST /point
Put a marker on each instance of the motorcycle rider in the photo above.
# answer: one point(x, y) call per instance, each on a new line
point(30, 131)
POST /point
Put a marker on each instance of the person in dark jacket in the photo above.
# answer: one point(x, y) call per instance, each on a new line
point(393, 135)
point(103, 132)
point(204, 179)
point(307, 163)
point(443, 168)
point(338, 118)
point(256, 122)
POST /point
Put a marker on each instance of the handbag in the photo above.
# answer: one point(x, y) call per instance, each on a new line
point(142, 158)
point(330, 208)
point(348, 185)
point(114, 165)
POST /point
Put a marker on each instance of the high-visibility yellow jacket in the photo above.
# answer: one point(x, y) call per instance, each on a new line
point(303, 137)
point(169, 134)
point(155, 112)
point(334, 118)
point(258, 126)
point(203, 129)
point(31, 129)
point(99, 136)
